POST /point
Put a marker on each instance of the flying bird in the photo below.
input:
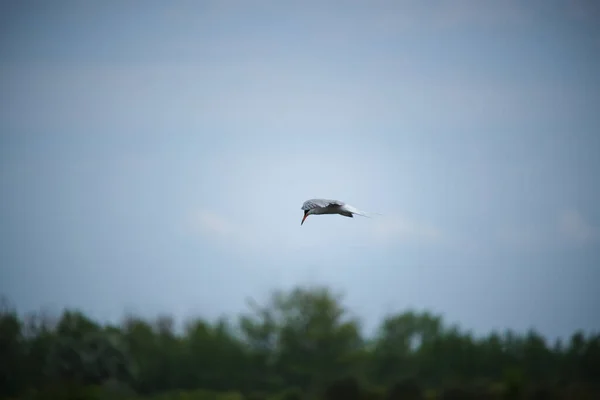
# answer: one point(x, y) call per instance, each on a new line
point(324, 206)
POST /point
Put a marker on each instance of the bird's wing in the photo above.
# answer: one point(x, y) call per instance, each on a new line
point(320, 203)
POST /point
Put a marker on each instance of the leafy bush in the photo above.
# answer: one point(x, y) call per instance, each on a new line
point(343, 389)
point(256, 396)
point(374, 393)
point(289, 394)
point(407, 389)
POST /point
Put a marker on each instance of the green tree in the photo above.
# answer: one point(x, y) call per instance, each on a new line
point(405, 346)
point(11, 349)
point(305, 337)
point(300, 342)
point(85, 354)
point(143, 345)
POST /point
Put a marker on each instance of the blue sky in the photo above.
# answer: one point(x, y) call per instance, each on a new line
point(154, 157)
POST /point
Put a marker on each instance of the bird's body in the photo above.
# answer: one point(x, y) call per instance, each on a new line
point(325, 206)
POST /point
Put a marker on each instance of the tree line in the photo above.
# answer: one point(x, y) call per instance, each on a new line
point(302, 343)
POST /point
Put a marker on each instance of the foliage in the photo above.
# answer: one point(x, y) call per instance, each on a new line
point(301, 344)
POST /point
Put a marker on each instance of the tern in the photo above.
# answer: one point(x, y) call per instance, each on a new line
point(325, 206)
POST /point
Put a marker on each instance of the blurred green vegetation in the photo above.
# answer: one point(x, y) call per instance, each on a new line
point(301, 344)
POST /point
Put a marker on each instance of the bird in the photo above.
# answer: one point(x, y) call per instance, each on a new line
point(325, 206)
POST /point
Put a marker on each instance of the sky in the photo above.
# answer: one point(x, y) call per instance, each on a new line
point(154, 157)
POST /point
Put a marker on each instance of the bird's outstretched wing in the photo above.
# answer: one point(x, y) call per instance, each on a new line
point(322, 203)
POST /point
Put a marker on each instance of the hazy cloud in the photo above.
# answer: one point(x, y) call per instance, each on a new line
point(523, 236)
point(575, 228)
point(212, 224)
point(569, 227)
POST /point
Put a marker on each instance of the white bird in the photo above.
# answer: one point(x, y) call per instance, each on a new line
point(324, 206)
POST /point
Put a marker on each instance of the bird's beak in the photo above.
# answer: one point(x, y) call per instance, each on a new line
point(303, 218)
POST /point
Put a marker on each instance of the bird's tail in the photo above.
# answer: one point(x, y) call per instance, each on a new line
point(356, 211)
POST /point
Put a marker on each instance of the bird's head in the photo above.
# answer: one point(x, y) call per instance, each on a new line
point(306, 214)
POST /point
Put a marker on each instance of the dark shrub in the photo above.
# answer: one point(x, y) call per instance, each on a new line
point(372, 393)
point(513, 391)
point(290, 394)
point(256, 396)
point(487, 391)
point(407, 389)
point(541, 393)
point(456, 393)
point(343, 389)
